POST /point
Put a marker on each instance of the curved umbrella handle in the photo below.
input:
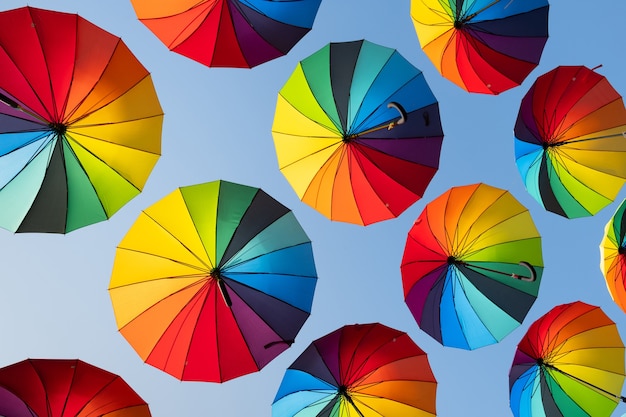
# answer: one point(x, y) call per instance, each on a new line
point(403, 115)
point(533, 273)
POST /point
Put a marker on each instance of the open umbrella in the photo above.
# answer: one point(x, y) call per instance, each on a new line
point(213, 281)
point(66, 388)
point(483, 46)
point(472, 266)
point(569, 363)
point(228, 33)
point(363, 370)
point(80, 122)
point(569, 141)
point(613, 256)
point(357, 132)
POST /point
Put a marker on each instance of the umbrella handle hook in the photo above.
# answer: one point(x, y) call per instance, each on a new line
point(403, 115)
point(533, 273)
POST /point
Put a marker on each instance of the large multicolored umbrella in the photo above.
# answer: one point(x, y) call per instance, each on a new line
point(364, 370)
point(228, 33)
point(357, 132)
point(66, 388)
point(613, 256)
point(80, 122)
point(569, 141)
point(213, 281)
point(472, 266)
point(483, 46)
point(569, 363)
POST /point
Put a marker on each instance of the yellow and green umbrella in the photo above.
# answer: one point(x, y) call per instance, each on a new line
point(357, 132)
point(569, 363)
point(213, 281)
point(613, 256)
point(80, 122)
point(483, 46)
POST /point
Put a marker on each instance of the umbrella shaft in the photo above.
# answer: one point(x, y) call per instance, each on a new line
point(351, 401)
point(619, 397)
point(494, 270)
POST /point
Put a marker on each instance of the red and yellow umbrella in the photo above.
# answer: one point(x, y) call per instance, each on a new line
point(364, 370)
point(569, 363)
point(483, 46)
point(80, 122)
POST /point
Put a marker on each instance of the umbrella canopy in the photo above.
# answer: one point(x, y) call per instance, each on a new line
point(483, 46)
point(364, 370)
point(357, 132)
point(569, 144)
point(80, 122)
point(228, 33)
point(66, 388)
point(472, 266)
point(569, 363)
point(213, 281)
point(613, 256)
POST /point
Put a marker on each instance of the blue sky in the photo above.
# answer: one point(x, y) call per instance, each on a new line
point(53, 289)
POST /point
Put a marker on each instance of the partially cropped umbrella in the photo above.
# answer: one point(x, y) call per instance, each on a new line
point(213, 281)
point(613, 256)
point(361, 370)
point(80, 122)
point(483, 46)
point(357, 132)
point(569, 363)
point(570, 147)
point(66, 388)
point(472, 266)
point(228, 33)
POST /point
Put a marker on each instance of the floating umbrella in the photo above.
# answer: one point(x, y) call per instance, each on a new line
point(65, 388)
point(569, 141)
point(213, 281)
point(228, 33)
point(569, 363)
point(613, 256)
point(483, 46)
point(363, 370)
point(80, 122)
point(472, 266)
point(357, 132)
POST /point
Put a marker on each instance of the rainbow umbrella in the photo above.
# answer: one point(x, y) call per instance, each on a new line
point(80, 122)
point(228, 33)
point(472, 266)
point(613, 256)
point(66, 388)
point(569, 363)
point(364, 370)
point(569, 141)
point(357, 132)
point(483, 46)
point(213, 281)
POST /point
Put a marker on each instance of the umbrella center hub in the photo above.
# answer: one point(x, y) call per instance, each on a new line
point(215, 273)
point(452, 260)
point(621, 250)
point(458, 24)
point(58, 128)
point(343, 391)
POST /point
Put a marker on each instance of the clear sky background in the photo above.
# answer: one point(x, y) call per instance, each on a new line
point(53, 288)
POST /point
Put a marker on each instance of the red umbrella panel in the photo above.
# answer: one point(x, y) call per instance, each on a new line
point(66, 388)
